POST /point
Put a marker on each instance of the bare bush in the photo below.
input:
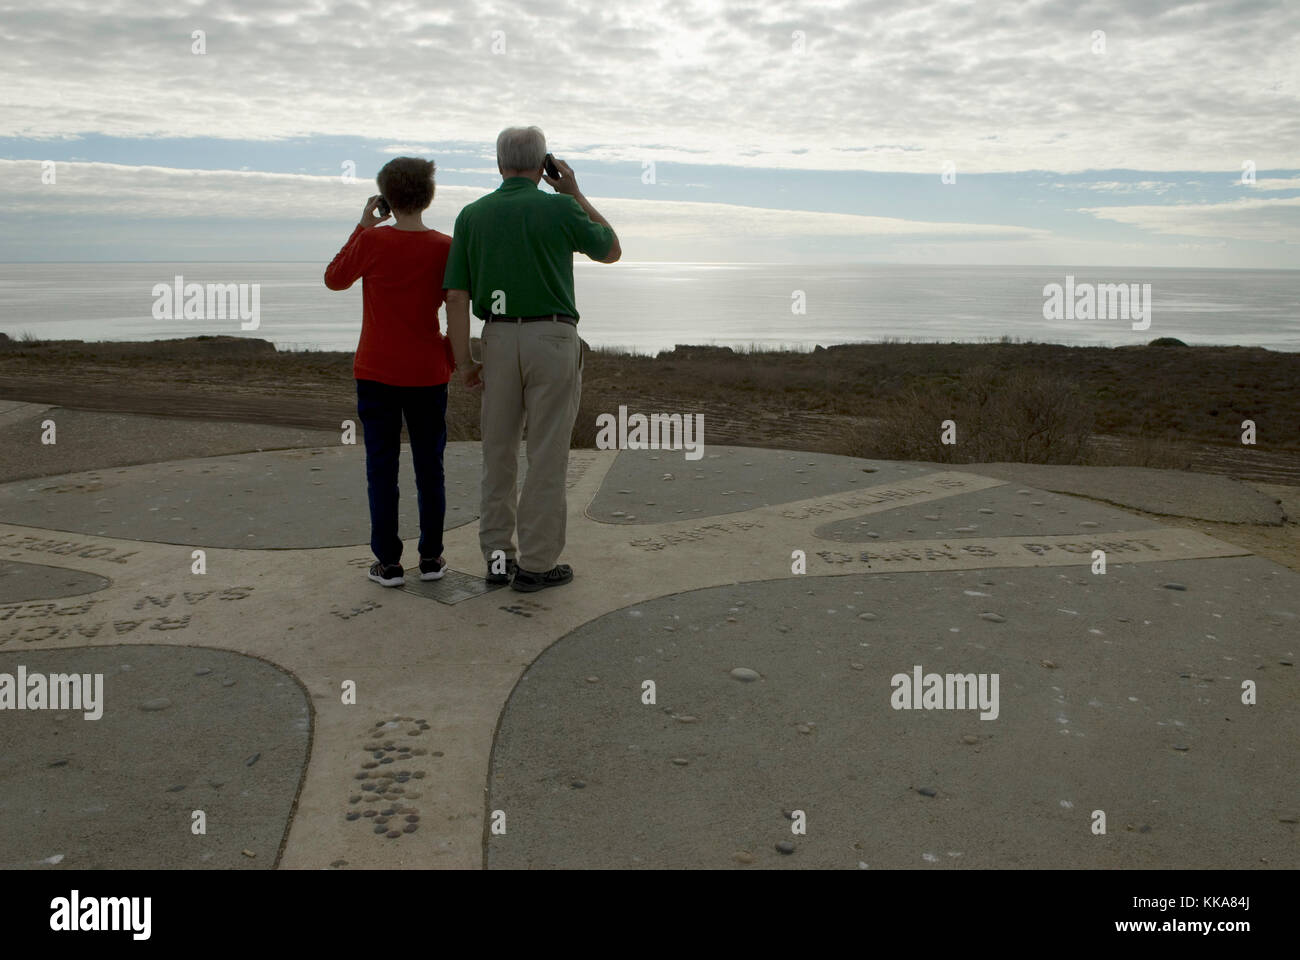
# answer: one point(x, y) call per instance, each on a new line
point(1018, 415)
point(584, 425)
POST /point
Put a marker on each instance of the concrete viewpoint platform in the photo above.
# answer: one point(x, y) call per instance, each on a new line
point(280, 499)
point(1119, 692)
point(184, 729)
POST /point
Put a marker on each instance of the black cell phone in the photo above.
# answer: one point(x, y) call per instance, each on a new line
point(552, 170)
point(382, 208)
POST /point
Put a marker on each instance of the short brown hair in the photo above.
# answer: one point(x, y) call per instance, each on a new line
point(407, 184)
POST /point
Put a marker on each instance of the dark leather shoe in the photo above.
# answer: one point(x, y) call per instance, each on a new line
point(528, 582)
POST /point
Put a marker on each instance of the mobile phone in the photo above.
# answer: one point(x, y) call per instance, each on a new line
point(552, 170)
point(382, 208)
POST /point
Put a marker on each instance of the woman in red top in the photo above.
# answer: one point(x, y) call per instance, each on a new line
point(403, 360)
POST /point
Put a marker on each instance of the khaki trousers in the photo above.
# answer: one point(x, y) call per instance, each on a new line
point(531, 371)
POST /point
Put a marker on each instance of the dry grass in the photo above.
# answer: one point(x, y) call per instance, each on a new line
point(1148, 406)
point(987, 416)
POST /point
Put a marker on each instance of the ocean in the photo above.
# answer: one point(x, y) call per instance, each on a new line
point(647, 307)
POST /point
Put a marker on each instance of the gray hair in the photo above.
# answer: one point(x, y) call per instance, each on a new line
point(521, 148)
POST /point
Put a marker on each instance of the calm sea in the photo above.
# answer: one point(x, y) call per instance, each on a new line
point(652, 306)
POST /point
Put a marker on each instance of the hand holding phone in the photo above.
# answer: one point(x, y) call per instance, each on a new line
point(375, 213)
point(560, 175)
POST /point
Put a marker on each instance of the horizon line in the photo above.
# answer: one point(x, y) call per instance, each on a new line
point(734, 263)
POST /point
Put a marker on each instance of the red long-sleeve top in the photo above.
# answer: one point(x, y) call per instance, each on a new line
point(401, 290)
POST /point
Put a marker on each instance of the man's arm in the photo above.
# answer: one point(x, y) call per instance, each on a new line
point(615, 251)
point(567, 183)
point(456, 285)
point(458, 333)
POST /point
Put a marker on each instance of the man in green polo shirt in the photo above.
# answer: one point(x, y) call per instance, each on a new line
point(512, 259)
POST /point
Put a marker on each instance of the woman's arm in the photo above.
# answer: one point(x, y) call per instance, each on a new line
point(345, 269)
point(350, 263)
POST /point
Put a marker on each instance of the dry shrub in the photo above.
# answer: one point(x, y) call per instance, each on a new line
point(584, 425)
point(463, 407)
point(1022, 416)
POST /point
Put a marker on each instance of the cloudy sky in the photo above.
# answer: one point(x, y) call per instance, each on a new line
point(1072, 132)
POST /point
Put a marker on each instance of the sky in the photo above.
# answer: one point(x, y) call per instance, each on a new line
point(926, 131)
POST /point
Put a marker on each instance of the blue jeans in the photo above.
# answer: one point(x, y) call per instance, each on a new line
point(381, 408)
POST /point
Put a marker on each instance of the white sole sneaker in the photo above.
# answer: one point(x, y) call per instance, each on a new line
point(436, 574)
point(397, 581)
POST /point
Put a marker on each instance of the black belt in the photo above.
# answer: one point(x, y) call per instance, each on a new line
point(557, 317)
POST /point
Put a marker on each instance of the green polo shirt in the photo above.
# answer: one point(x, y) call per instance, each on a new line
point(513, 250)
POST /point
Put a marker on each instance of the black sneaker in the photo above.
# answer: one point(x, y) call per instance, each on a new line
point(511, 568)
point(557, 576)
point(432, 569)
point(387, 575)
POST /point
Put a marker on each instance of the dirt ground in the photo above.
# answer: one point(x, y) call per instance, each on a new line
point(1170, 407)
